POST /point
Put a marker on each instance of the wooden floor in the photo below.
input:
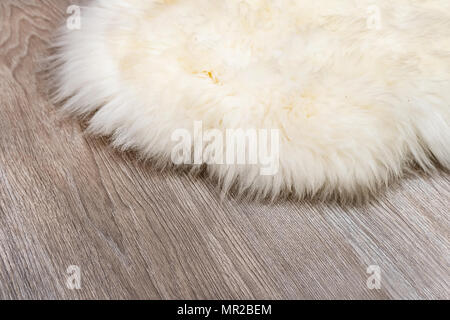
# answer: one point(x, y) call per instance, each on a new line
point(68, 199)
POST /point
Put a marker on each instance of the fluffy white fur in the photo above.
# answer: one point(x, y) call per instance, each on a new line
point(356, 105)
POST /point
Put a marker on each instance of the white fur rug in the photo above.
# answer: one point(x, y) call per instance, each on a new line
point(354, 91)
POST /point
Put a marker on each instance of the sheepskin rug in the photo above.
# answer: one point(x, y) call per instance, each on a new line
point(358, 91)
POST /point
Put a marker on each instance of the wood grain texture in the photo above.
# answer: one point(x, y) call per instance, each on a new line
point(68, 199)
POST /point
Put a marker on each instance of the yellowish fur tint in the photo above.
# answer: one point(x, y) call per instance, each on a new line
point(356, 104)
